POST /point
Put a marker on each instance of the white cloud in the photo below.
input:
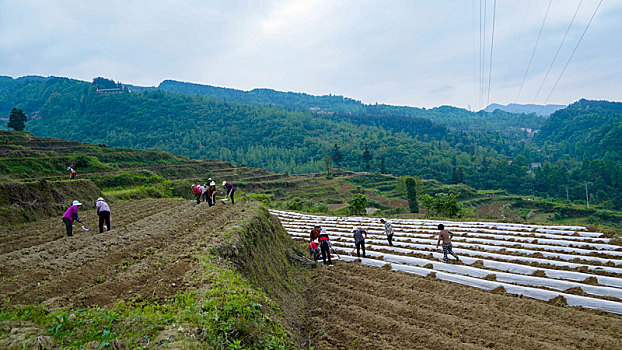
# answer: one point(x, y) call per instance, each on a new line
point(401, 52)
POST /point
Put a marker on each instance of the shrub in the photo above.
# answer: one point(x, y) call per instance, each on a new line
point(442, 204)
point(357, 205)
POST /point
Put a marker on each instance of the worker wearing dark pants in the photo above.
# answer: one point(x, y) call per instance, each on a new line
point(359, 241)
point(230, 190)
point(104, 217)
point(325, 247)
point(388, 230)
point(103, 211)
point(70, 215)
point(68, 227)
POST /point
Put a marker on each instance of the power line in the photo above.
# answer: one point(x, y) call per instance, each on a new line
point(482, 50)
point(520, 36)
point(479, 64)
point(533, 52)
point(474, 56)
point(557, 53)
point(484, 54)
point(572, 54)
point(492, 44)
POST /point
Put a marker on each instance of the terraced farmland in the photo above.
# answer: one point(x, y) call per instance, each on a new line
point(564, 264)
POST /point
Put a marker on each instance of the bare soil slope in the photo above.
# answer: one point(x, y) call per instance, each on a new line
point(146, 254)
point(353, 306)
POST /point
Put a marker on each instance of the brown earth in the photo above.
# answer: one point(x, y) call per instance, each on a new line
point(149, 255)
point(146, 254)
point(353, 306)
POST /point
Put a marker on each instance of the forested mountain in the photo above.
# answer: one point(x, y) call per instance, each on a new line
point(586, 129)
point(295, 141)
point(451, 117)
point(541, 110)
point(260, 97)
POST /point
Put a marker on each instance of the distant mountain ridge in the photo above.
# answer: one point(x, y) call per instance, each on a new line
point(540, 110)
point(454, 118)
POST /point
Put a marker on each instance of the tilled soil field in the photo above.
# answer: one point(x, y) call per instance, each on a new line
point(354, 306)
point(146, 254)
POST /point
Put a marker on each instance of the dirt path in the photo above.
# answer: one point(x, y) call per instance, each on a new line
point(361, 307)
point(146, 255)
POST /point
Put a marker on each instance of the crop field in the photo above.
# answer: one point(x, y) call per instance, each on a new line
point(515, 286)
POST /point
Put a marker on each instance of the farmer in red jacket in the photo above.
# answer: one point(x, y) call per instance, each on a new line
point(314, 251)
point(325, 246)
point(197, 193)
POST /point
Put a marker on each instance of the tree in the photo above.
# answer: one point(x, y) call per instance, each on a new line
point(366, 157)
point(103, 83)
point(457, 175)
point(411, 190)
point(327, 162)
point(383, 166)
point(337, 155)
point(17, 120)
point(357, 205)
point(442, 204)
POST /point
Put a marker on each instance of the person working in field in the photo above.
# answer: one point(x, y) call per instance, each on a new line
point(359, 241)
point(203, 189)
point(230, 190)
point(388, 230)
point(315, 233)
point(197, 193)
point(446, 236)
point(70, 215)
point(103, 211)
point(211, 193)
point(325, 246)
point(72, 173)
point(314, 251)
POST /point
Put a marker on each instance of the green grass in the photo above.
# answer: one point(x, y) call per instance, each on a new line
point(229, 313)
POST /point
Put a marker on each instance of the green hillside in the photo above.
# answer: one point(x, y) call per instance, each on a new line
point(294, 141)
point(450, 117)
point(586, 130)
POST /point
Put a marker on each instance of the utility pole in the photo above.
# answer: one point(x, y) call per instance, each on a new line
point(567, 198)
point(587, 197)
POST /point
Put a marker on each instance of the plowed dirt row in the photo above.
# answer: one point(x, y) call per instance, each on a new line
point(35, 233)
point(362, 307)
point(146, 255)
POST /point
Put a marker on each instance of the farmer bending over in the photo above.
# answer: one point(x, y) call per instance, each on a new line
point(72, 173)
point(70, 215)
point(103, 211)
point(197, 193)
point(230, 190)
point(315, 233)
point(359, 241)
point(446, 236)
point(314, 251)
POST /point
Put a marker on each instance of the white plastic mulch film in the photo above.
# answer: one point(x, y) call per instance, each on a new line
point(537, 261)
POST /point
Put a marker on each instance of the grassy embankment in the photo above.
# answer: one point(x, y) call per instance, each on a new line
point(247, 295)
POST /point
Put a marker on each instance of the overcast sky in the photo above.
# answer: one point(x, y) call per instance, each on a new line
point(417, 53)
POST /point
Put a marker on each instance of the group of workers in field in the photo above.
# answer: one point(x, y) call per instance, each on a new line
point(208, 192)
point(323, 245)
point(103, 212)
point(103, 209)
